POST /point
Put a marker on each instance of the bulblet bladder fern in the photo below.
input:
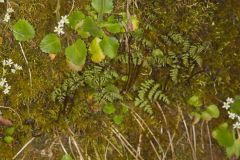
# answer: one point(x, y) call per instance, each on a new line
point(149, 92)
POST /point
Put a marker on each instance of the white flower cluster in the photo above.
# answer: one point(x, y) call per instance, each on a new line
point(61, 23)
point(8, 65)
point(8, 14)
point(233, 116)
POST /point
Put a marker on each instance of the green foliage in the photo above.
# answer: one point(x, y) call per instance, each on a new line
point(223, 135)
point(8, 139)
point(76, 53)
point(96, 50)
point(110, 46)
point(149, 92)
point(66, 157)
point(10, 131)
point(70, 85)
point(23, 30)
point(195, 101)
point(103, 6)
point(50, 44)
point(118, 119)
point(109, 108)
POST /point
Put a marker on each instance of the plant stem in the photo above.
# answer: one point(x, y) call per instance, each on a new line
point(210, 141)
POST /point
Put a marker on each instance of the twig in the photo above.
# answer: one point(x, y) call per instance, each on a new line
point(23, 147)
point(113, 146)
point(155, 150)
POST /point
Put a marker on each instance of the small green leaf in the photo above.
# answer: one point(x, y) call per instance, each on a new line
point(110, 46)
point(9, 131)
point(23, 30)
point(76, 53)
point(206, 116)
point(195, 101)
point(90, 26)
point(157, 52)
point(223, 135)
point(76, 19)
point(66, 157)
point(213, 111)
point(109, 108)
point(8, 139)
point(51, 44)
point(118, 119)
point(196, 117)
point(96, 51)
point(103, 6)
point(124, 109)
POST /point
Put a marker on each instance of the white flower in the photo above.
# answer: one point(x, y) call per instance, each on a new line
point(3, 82)
point(229, 100)
point(7, 88)
point(232, 115)
point(60, 24)
point(6, 18)
point(64, 19)
point(10, 10)
point(13, 70)
point(9, 62)
point(17, 67)
point(226, 105)
point(59, 30)
point(236, 125)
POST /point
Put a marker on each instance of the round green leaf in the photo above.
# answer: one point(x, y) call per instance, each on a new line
point(9, 131)
point(8, 139)
point(196, 117)
point(213, 111)
point(103, 6)
point(223, 135)
point(206, 116)
point(96, 51)
point(51, 44)
point(110, 46)
point(113, 27)
point(109, 108)
point(195, 101)
point(23, 30)
point(76, 53)
point(66, 157)
point(118, 119)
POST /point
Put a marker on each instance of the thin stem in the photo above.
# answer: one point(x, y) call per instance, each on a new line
point(210, 141)
point(23, 147)
point(26, 61)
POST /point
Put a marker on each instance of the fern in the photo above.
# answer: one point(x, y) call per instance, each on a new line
point(148, 93)
point(72, 82)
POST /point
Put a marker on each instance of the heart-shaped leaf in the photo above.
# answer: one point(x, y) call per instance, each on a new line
point(96, 51)
point(51, 44)
point(223, 135)
point(23, 30)
point(213, 111)
point(76, 53)
point(110, 46)
point(103, 6)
